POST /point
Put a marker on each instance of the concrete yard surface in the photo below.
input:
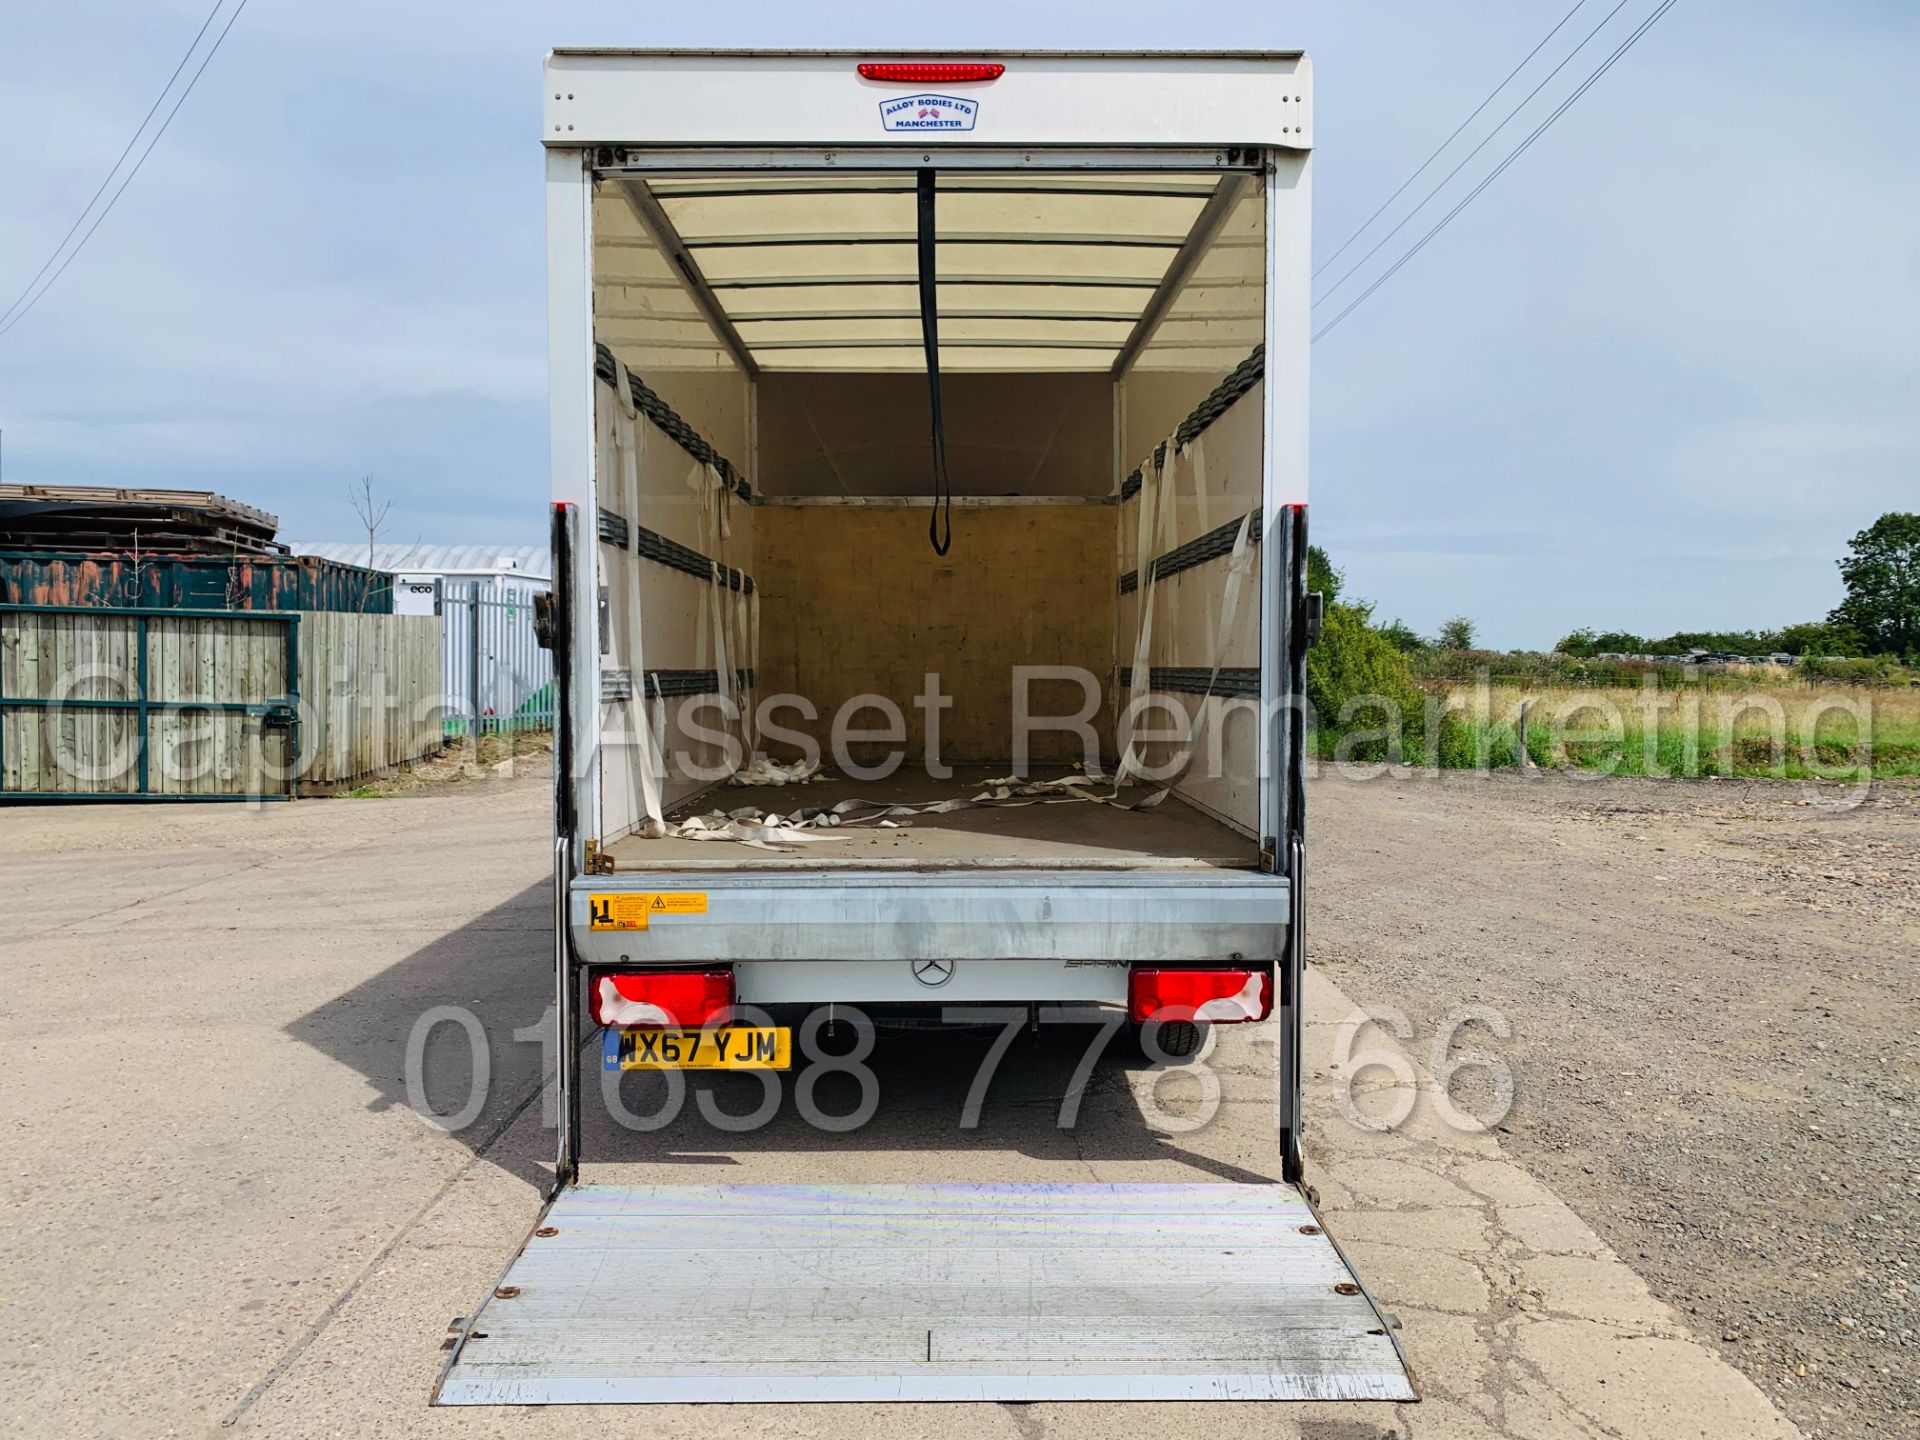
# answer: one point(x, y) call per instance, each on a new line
point(1710, 992)
point(226, 1216)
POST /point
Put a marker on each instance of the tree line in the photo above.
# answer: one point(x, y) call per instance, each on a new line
point(1880, 616)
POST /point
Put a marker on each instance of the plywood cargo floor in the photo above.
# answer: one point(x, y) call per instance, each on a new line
point(1171, 836)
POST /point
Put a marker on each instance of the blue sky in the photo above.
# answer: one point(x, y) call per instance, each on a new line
point(1654, 377)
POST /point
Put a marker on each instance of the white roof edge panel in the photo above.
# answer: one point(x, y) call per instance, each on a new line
point(741, 53)
point(1111, 100)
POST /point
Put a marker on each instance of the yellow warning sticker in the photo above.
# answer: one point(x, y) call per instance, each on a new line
point(631, 910)
point(617, 912)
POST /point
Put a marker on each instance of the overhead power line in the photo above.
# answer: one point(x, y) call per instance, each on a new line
point(1491, 96)
point(30, 296)
point(1519, 150)
point(120, 160)
point(1487, 140)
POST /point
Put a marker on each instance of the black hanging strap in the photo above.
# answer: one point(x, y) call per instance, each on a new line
point(930, 341)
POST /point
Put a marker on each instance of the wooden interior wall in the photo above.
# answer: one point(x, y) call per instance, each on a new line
point(856, 602)
point(866, 434)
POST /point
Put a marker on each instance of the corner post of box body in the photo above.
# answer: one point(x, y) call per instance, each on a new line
point(566, 990)
point(570, 399)
point(1283, 705)
point(566, 1005)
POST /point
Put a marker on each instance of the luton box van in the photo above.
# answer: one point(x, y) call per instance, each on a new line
point(929, 475)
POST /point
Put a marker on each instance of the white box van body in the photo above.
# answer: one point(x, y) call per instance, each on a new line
point(929, 456)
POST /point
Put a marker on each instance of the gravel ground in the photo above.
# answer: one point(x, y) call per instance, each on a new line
point(1712, 993)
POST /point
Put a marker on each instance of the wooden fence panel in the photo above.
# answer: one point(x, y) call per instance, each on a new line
point(369, 692)
point(369, 700)
point(211, 658)
point(80, 749)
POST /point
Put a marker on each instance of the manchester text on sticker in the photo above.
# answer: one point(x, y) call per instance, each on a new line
point(928, 112)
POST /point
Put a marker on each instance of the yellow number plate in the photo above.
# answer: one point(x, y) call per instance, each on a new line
point(733, 1047)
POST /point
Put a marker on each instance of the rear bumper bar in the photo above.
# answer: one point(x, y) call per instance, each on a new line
point(1085, 916)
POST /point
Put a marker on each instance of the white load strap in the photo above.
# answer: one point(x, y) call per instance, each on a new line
point(731, 617)
point(769, 830)
point(722, 656)
point(1223, 631)
point(629, 434)
point(1239, 566)
point(763, 771)
point(1156, 493)
point(743, 619)
point(749, 719)
point(1202, 516)
point(651, 762)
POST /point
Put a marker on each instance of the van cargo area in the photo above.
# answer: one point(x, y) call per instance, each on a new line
point(765, 464)
point(930, 628)
point(1085, 835)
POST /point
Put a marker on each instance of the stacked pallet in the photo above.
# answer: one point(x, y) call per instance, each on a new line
point(104, 517)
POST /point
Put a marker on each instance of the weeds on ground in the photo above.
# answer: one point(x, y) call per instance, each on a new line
point(1780, 732)
point(459, 761)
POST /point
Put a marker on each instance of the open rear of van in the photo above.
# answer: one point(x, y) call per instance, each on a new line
point(929, 467)
point(941, 575)
point(1100, 373)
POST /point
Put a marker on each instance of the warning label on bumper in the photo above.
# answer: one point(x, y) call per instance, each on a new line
point(631, 910)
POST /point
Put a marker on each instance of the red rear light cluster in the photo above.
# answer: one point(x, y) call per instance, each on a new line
point(918, 72)
point(662, 999)
point(1219, 996)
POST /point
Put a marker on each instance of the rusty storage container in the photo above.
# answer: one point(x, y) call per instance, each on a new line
point(121, 579)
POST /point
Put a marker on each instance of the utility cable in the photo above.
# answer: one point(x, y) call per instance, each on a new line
point(1491, 96)
point(1519, 150)
point(1488, 140)
point(114, 169)
point(18, 312)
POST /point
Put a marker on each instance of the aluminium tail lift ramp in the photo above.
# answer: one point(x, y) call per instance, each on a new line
point(654, 1293)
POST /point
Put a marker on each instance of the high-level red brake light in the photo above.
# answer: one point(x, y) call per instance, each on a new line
point(918, 72)
point(672, 999)
point(1220, 996)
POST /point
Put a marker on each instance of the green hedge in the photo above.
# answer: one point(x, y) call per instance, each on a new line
point(1366, 705)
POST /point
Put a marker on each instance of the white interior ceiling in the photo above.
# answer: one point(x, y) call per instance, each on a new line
point(1034, 272)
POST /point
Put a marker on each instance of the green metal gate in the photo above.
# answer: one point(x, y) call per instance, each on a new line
point(144, 704)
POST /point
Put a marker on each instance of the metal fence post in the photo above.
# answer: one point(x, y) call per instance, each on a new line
point(495, 662)
point(145, 711)
point(473, 663)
